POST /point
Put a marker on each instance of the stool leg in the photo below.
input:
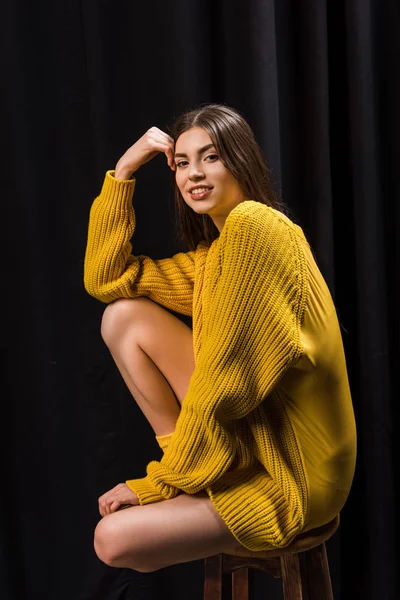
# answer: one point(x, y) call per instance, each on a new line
point(291, 577)
point(318, 576)
point(240, 584)
point(213, 577)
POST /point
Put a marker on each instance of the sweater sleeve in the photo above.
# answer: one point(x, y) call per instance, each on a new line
point(253, 336)
point(112, 272)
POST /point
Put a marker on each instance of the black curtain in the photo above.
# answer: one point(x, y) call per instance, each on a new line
point(81, 81)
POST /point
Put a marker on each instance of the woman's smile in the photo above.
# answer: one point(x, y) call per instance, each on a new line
point(199, 166)
point(201, 193)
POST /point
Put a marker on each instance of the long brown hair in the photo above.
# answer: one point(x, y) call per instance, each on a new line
point(238, 152)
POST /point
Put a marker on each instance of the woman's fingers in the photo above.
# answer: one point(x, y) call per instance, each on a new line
point(114, 505)
point(169, 145)
point(104, 501)
point(101, 505)
point(120, 495)
point(169, 153)
point(170, 156)
point(164, 134)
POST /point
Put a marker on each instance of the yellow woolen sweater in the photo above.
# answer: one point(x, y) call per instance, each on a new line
point(267, 425)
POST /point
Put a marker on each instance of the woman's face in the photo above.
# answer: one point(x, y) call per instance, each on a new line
point(198, 166)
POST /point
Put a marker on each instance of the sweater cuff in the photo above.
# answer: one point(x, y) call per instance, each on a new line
point(144, 490)
point(163, 440)
point(111, 173)
point(117, 192)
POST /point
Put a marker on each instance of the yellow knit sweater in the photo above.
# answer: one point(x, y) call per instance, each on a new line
point(267, 425)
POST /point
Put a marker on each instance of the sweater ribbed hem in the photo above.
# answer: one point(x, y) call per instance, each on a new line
point(255, 510)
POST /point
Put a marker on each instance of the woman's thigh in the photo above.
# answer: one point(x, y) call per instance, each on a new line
point(153, 536)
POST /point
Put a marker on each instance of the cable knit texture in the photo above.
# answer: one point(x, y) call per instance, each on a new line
point(239, 435)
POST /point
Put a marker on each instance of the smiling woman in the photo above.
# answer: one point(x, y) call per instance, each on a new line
point(253, 407)
point(203, 176)
point(230, 145)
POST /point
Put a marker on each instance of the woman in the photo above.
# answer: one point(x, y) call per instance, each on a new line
point(252, 408)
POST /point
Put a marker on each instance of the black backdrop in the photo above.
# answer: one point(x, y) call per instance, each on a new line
point(81, 81)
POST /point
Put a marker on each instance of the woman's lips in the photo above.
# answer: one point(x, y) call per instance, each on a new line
point(202, 195)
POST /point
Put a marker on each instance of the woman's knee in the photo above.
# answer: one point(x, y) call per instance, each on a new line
point(117, 315)
point(105, 543)
point(109, 545)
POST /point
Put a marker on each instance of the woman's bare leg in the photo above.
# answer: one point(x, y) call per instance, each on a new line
point(148, 538)
point(153, 351)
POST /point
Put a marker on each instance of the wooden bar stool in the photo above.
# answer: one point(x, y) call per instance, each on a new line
point(302, 566)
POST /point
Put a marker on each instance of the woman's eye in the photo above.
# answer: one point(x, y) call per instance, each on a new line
point(182, 162)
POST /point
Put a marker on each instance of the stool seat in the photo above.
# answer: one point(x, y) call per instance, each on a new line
point(302, 566)
point(304, 541)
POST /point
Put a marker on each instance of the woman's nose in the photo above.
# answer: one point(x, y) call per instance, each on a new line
point(195, 172)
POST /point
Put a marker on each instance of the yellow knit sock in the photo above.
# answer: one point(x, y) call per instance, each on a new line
point(163, 440)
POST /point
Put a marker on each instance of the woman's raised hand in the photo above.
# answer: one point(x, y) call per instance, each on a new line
point(147, 147)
